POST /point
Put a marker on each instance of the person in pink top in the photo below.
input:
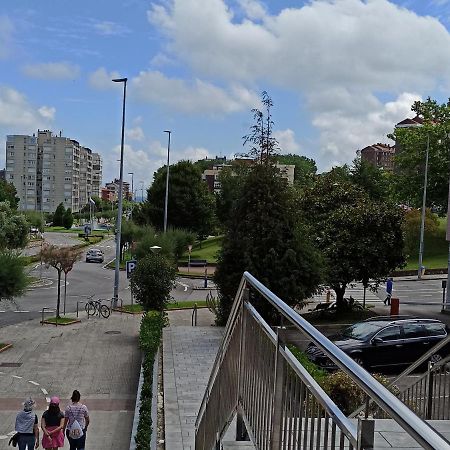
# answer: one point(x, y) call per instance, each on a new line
point(52, 424)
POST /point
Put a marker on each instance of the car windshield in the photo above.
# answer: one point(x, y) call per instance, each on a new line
point(363, 330)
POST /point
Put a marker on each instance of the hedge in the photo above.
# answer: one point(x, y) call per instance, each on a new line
point(149, 340)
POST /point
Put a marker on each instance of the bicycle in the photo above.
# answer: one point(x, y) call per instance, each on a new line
point(94, 307)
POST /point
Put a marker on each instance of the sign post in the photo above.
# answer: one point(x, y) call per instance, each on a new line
point(446, 305)
point(189, 260)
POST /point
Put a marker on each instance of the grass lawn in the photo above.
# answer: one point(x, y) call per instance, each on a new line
point(186, 305)
point(208, 250)
point(133, 308)
point(61, 320)
point(435, 255)
point(72, 230)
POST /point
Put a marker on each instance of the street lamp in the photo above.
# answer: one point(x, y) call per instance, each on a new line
point(142, 190)
point(132, 192)
point(424, 199)
point(119, 206)
point(167, 181)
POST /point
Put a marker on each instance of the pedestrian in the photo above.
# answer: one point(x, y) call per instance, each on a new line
point(389, 286)
point(27, 426)
point(52, 424)
point(76, 422)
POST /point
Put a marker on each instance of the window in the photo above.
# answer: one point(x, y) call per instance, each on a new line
point(389, 333)
point(435, 329)
point(414, 330)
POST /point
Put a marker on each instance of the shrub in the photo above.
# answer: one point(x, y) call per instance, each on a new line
point(67, 219)
point(58, 215)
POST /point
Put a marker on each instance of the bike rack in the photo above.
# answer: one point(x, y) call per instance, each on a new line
point(78, 303)
point(194, 315)
point(44, 310)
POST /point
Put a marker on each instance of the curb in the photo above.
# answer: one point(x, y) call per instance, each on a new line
point(5, 347)
point(124, 311)
point(204, 288)
point(72, 322)
point(185, 309)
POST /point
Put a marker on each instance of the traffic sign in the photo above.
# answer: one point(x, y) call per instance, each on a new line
point(130, 266)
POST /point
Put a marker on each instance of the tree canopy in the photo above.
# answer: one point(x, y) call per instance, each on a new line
point(13, 279)
point(58, 216)
point(14, 228)
point(305, 168)
point(8, 193)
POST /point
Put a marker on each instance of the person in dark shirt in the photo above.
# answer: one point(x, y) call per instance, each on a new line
point(52, 424)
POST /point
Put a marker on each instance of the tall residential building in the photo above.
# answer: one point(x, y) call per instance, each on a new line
point(96, 174)
point(61, 167)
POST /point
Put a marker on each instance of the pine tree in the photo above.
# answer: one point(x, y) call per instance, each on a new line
point(58, 215)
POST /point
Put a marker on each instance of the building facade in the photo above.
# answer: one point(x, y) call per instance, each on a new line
point(97, 167)
point(379, 155)
point(48, 170)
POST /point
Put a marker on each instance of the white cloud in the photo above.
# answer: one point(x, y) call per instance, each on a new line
point(6, 34)
point(101, 79)
point(18, 115)
point(160, 60)
point(336, 54)
point(108, 28)
point(135, 134)
point(52, 71)
point(195, 97)
point(286, 139)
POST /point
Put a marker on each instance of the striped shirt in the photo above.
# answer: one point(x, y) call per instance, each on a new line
point(76, 411)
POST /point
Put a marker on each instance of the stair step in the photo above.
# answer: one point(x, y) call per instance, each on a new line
point(237, 445)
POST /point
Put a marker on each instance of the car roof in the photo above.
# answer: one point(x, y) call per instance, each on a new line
point(94, 250)
point(390, 320)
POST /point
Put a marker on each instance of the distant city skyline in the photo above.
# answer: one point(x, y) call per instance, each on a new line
point(341, 73)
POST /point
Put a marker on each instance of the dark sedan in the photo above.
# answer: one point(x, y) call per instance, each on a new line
point(383, 343)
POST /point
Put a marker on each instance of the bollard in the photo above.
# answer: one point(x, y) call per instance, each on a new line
point(395, 306)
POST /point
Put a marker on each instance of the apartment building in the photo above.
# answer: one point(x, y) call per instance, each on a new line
point(111, 190)
point(52, 170)
point(97, 167)
point(379, 155)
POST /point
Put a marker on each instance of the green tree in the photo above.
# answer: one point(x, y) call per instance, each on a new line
point(152, 281)
point(411, 145)
point(305, 168)
point(35, 219)
point(58, 216)
point(191, 205)
point(372, 180)
point(411, 227)
point(265, 238)
point(14, 228)
point(13, 280)
point(68, 259)
point(67, 220)
point(8, 193)
point(360, 238)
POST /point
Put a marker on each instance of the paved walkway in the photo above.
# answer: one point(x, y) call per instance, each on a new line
point(99, 357)
point(188, 356)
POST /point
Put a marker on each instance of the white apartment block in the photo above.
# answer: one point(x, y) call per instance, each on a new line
point(96, 174)
point(62, 171)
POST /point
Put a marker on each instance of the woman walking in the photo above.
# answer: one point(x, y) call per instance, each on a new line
point(27, 427)
point(76, 421)
point(52, 424)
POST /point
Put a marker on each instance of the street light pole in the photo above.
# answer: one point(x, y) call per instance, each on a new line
point(132, 192)
point(424, 199)
point(119, 206)
point(167, 180)
point(142, 190)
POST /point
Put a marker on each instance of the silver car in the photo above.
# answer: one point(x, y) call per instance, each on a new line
point(94, 255)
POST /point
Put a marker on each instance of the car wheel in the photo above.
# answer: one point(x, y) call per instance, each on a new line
point(434, 359)
point(358, 360)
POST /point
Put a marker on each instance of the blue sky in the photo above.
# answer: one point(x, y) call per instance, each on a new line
point(341, 73)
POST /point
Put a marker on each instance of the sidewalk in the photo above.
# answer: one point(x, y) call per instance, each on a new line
point(99, 357)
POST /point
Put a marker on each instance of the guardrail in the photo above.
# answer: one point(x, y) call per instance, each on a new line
point(281, 405)
point(47, 310)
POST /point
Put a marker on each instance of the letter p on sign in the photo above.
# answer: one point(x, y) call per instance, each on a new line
point(130, 266)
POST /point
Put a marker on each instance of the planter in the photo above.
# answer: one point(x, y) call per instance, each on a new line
point(124, 311)
point(60, 324)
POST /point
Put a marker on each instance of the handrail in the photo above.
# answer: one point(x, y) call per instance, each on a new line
point(47, 309)
point(423, 433)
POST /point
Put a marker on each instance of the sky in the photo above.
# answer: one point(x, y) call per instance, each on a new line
point(341, 73)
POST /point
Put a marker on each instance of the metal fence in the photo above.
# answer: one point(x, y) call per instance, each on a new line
point(282, 406)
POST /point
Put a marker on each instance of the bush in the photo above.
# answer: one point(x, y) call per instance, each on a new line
point(58, 216)
point(13, 279)
point(68, 219)
point(152, 281)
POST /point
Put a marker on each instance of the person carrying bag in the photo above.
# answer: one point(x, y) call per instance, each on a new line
point(76, 422)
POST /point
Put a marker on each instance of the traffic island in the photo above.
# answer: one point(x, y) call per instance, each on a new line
point(4, 347)
point(63, 321)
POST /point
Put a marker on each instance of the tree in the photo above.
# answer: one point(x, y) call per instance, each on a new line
point(69, 256)
point(13, 280)
point(14, 228)
point(54, 256)
point(360, 238)
point(8, 193)
point(305, 168)
point(67, 219)
point(263, 145)
point(264, 237)
point(372, 180)
point(411, 145)
point(35, 219)
point(58, 216)
point(191, 205)
point(411, 227)
point(152, 281)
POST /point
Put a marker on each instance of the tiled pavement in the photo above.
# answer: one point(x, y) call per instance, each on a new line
point(103, 366)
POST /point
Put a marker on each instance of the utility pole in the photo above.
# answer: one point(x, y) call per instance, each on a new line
point(132, 192)
point(424, 199)
point(167, 181)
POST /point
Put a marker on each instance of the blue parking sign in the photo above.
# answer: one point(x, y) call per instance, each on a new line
point(130, 266)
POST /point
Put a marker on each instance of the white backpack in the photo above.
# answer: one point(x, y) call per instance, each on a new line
point(75, 430)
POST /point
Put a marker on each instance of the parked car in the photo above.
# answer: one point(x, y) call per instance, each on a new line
point(385, 343)
point(94, 255)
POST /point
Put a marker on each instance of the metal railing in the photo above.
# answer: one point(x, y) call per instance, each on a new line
point(281, 405)
point(47, 310)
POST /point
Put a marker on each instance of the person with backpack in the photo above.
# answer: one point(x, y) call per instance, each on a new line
point(76, 422)
point(27, 430)
point(52, 424)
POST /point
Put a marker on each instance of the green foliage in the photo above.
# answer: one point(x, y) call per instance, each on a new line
point(14, 228)
point(149, 340)
point(13, 279)
point(372, 180)
point(58, 216)
point(305, 168)
point(35, 219)
point(208, 250)
point(411, 227)
point(8, 193)
point(411, 144)
point(314, 370)
point(264, 237)
point(67, 220)
point(152, 281)
point(191, 205)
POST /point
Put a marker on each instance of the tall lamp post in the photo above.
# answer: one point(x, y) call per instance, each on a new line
point(424, 199)
point(119, 206)
point(142, 190)
point(132, 192)
point(166, 202)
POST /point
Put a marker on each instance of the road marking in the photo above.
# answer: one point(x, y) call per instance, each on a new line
point(186, 286)
point(4, 436)
point(21, 311)
point(17, 376)
point(33, 382)
point(44, 391)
